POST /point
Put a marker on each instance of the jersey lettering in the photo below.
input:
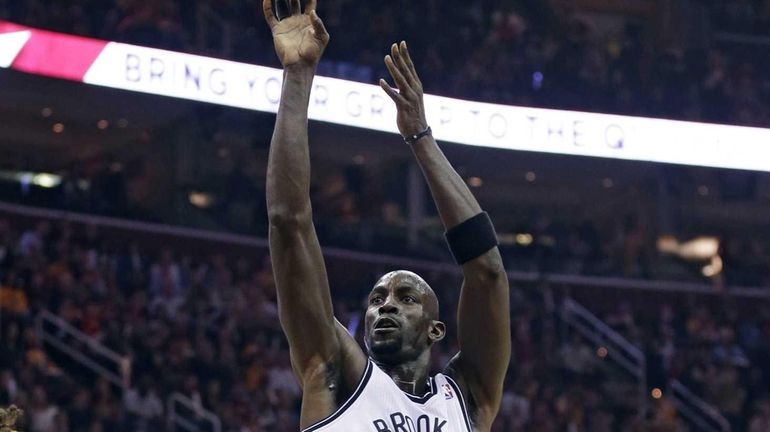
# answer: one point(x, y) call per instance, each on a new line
point(378, 405)
point(399, 422)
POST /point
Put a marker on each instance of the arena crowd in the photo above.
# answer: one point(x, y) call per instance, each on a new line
point(207, 327)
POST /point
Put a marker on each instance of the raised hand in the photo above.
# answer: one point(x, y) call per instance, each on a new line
point(409, 96)
point(300, 38)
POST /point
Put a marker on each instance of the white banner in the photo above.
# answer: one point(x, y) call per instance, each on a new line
point(366, 106)
point(10, 46)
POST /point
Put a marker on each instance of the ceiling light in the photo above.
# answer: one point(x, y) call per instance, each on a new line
point(46, 180)
point(524, 239)
point(714, 268)
point(201, 200)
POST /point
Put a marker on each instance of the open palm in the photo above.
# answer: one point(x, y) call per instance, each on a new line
point(300, 39)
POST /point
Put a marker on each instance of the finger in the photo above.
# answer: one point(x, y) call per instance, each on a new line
point(296, 9)
point(397, 98)
point(310, 6)
point(408, 60)
point(282, 9)
point(267, 8)
point(318, 26)
point(395, 53)
point(398, 77)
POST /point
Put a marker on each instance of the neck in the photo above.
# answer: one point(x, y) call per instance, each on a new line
point(410, 376)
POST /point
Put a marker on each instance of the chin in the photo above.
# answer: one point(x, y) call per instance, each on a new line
point(384, 349)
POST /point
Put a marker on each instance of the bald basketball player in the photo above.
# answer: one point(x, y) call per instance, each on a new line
point(387, 386)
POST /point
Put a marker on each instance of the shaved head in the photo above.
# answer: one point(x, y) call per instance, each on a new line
point(402, 319)
point(430, 299)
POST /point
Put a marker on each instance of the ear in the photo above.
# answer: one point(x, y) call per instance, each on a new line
point(437, 331)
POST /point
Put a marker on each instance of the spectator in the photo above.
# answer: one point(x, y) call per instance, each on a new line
point(144, 407)
point(44, 416)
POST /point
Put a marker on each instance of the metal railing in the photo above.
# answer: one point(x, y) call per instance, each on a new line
point(196, 418)
point(619, 350)
point(696, 410)
point(394, 261)
point(84, 349)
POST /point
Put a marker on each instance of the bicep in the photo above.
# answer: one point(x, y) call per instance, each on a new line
point(304, 300)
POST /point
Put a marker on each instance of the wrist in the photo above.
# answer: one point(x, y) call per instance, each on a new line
point(300, 70)
point(414, 138)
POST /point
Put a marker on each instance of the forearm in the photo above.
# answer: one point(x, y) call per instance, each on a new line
point(288, 169)
point(454, 200)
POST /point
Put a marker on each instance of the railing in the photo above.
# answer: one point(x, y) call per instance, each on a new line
point(696, 410)
point(247, 241)
point(62, 336)
point(195, 418)
point(744, 39)
point(625, 354)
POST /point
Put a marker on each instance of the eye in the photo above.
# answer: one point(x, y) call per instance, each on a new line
point(375, 300)
point(409, 299)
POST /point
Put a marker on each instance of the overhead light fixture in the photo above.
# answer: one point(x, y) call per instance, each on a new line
point(714, 268)
point(698, 249)
point(46, 180)
point(524, 239)
point(530, 176)
point(201, 200)
point(475, 182)
point(26, 178)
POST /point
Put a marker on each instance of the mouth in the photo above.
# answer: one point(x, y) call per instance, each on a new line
point(385, 325)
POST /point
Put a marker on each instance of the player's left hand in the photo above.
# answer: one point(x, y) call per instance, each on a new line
point(409, 96)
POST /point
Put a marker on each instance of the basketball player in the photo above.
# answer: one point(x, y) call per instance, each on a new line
point(388, 388)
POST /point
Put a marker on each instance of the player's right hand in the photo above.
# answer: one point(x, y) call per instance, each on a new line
point(409, 93)
point(300, 38)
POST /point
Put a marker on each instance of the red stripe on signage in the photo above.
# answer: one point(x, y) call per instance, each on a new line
point(7, 27)
point(57, 55)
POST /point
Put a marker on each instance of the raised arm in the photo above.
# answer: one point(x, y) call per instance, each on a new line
point(483, 313)
point(304, 300)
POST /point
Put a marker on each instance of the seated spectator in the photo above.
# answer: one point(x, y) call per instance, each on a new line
point(143, 406)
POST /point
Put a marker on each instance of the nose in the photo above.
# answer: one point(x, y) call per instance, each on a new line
point(388, 308)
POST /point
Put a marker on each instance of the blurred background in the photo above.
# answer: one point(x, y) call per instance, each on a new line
point(136, 290)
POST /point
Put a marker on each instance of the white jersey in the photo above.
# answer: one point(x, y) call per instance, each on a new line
point(378, 405)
